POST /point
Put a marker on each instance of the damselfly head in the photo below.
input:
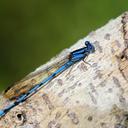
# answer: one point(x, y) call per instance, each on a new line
point(90, 47)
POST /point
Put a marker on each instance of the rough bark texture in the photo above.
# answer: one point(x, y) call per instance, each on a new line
point(93, 96)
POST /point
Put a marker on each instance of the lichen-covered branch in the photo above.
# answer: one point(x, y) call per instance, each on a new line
point(93, 95)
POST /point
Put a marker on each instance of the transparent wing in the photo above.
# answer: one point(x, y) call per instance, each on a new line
point(31, 80)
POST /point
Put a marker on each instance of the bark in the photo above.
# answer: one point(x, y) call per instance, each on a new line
point(83, 96)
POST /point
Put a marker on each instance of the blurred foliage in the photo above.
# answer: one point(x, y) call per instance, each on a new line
point(33, 31)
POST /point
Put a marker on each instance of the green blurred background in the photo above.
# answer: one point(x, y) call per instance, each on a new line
point(33, 31)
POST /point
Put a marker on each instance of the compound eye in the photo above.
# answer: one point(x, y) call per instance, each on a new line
point(87, 42)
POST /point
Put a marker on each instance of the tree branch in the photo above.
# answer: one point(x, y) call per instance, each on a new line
point(93, 96)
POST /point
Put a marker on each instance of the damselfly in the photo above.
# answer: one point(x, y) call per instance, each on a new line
point(21, 93)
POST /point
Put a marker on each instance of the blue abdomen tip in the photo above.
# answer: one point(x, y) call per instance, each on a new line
point(1, 113)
